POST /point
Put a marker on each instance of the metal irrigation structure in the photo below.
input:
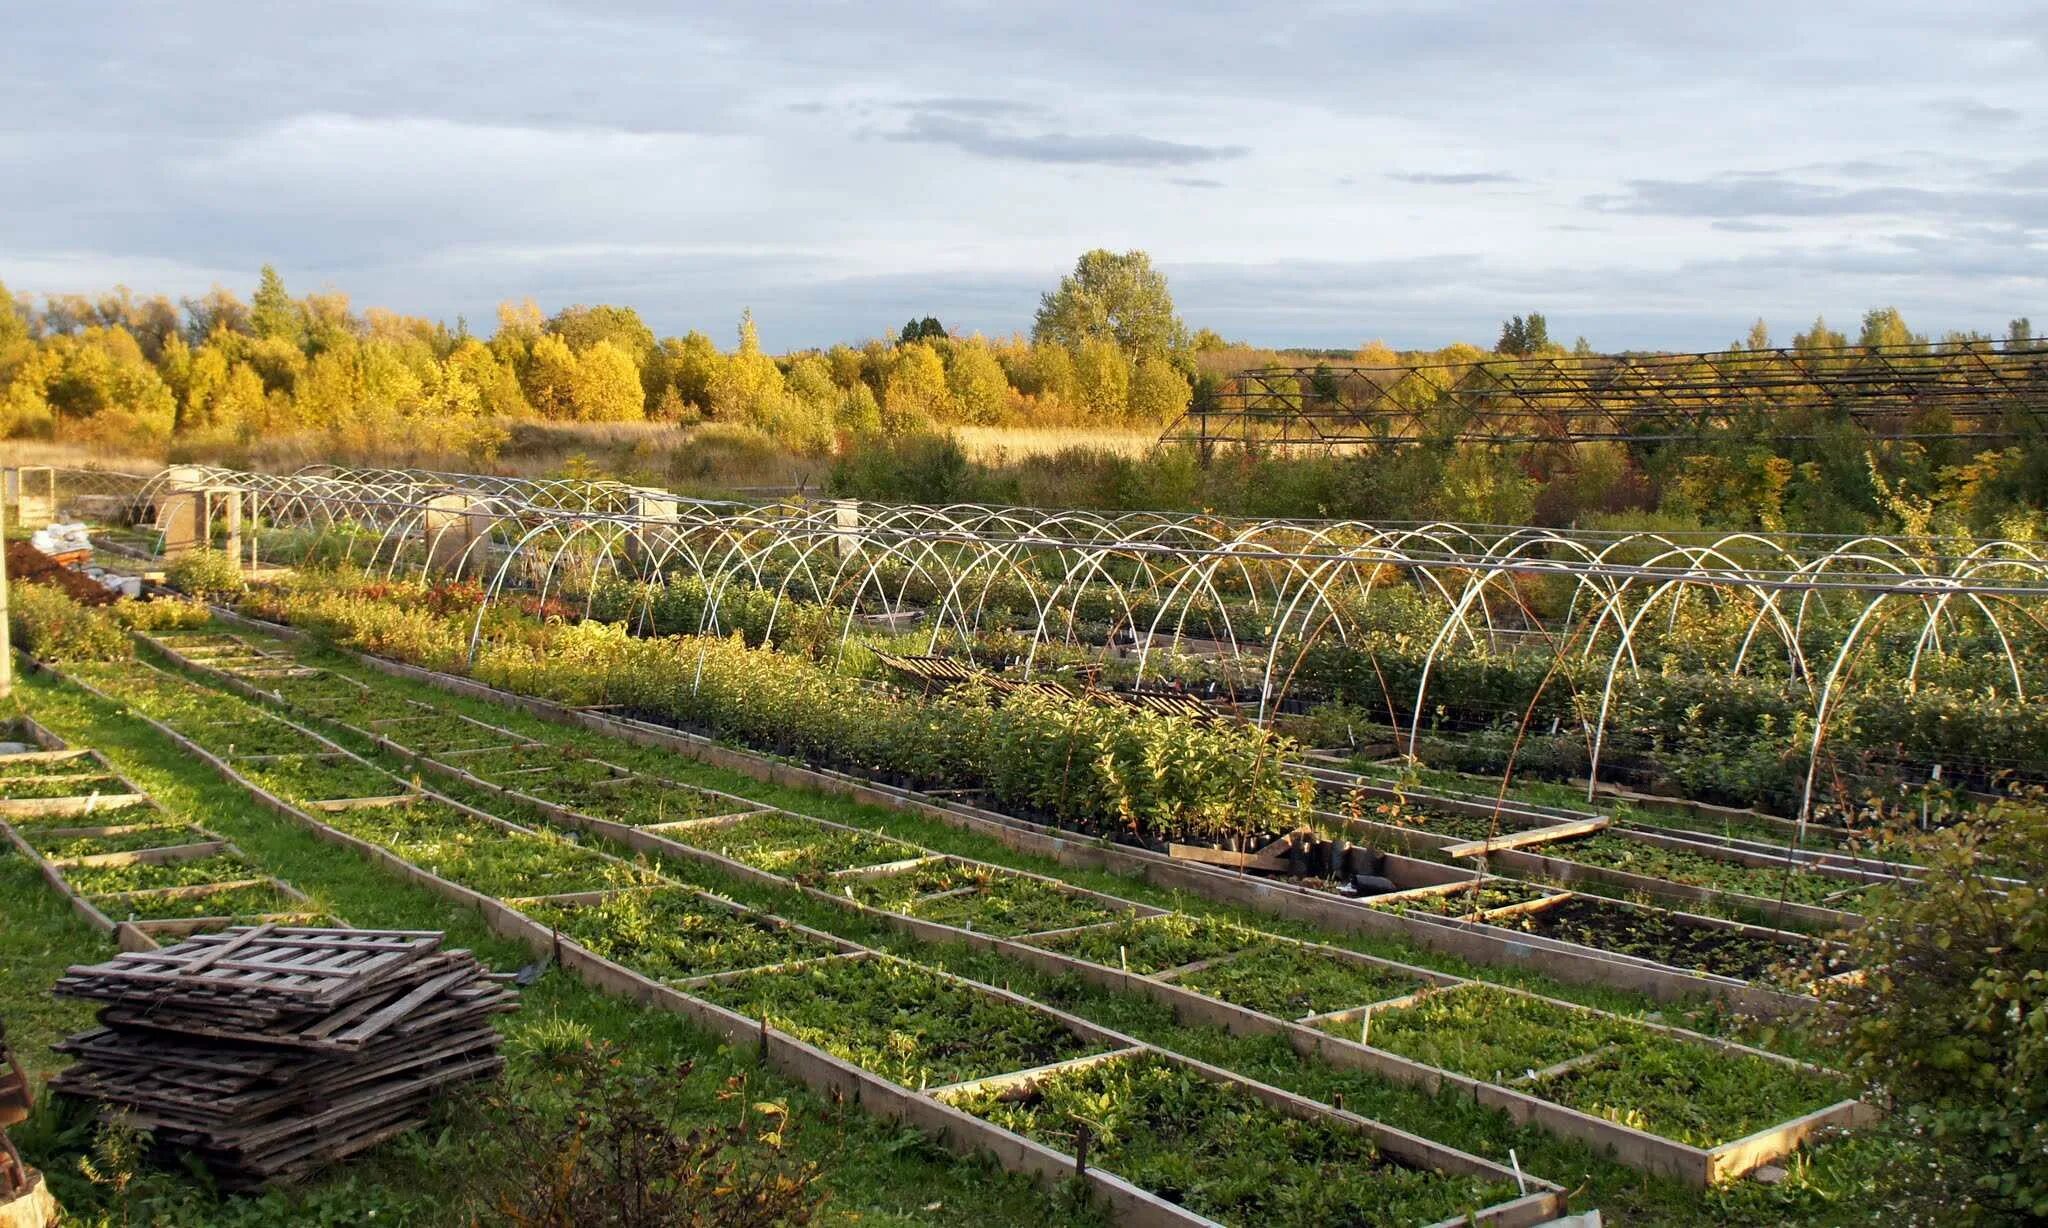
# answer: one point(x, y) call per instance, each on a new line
point(1962, 390)
point(1818, 615)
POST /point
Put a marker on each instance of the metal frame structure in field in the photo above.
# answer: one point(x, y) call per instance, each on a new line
point(1967, 390)
point(1257, 594)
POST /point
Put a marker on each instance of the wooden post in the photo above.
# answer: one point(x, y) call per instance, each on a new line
point(448, 532)
point(6, 650)
point(35, 496)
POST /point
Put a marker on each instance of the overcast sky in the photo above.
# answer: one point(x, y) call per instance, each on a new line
point(1647, 175)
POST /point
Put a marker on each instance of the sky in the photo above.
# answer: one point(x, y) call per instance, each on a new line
point(1647, 175)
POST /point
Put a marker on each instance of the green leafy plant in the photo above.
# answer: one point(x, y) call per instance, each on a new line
point(205, 574)
point(1951, 1018)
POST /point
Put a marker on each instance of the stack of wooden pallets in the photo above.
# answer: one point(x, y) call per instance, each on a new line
point(268, 1051)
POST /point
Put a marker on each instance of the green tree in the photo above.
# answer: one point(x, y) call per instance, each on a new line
point(1759, 336)
point(2019, 335)
point(1514, 337)
point(606, 386)
point(916, 397)
point(583, 327)
point(927, 329)
point(1159, 393)
point(1885, 327)
point(1103, 373)
point(1819, 337)
point(273, 314)
point(1119, 298)
point(13, 323)
point(977, 382)
point(551, 376)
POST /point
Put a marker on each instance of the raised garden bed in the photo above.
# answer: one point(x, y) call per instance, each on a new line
point(111, 880)
point(636, 801)
point(672, 933)
point(1679, 1091)
point(980, 898)
point(126, 814)
point(1669, 938)
point(1619, 852)
point(80, 784)
point(1290, 981)
point(1149, 945)
point(46, 764)
point(1218, 1151)
point(907, 1024)
point(519, 765)
point(447, 731)
point(793, 846)
point(241, 902)
point(1462, 899)
point(167, 834)
point(483, 856)
point(318, 777)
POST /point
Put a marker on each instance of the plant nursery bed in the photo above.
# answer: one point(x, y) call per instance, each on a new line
point(1619, 852)
point(1150, 945)
point(439, 733)
point(636, 801)
point(81, 784)
point(1682, 1091)
point(482, 856)
point(201, 871)
point(1462, 899)
point(254, 736)
point(1218, 1151)
point(241, 901)
point(671, 933)
point(1483, 1032)
point(318, 777)
point(984, 899)
point(908, 1024)
point(128, 814)
point(793, 846)
point(1292, 982)
point(516, 764)
point(1669, 938)
point(44, 764)
point(161, 835)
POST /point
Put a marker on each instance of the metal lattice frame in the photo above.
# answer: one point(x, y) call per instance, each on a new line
point(1258, 593)
point(1974, 390)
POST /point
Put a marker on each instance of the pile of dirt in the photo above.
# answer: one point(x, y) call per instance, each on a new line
point(26, 563)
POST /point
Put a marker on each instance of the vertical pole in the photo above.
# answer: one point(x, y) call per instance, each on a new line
point(6, 649)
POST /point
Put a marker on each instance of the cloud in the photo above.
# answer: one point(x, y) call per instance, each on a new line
point(1974, 113)
point(1455, 178)
point(1120, 149)
point(1742, 227)
point(1748, 195)
point(981, 107)
point(1195, 183)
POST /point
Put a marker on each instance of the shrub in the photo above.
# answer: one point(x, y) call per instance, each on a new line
point(50, 626)
point(205, 574)
point(163, 614)
point(606, 1155)
point(1952, 1021)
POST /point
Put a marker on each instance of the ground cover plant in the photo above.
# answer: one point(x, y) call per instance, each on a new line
point(247, 900)
point(670, 934)
point(869, 1168)
point(1280, 978)
point(105, 816)
point(1618, 852)
point(1146, 945)
point(433, 735)
point(510, 764)
point(905, 1023)
point(1216, 1151)
point(317, 777)
point(794, 846)
point(636, 801)
point(29, 788)
point(986, 899)
point(483, 856)
point(1676, 1090)
point(12, 768)
point(1661, 936)
point(1484, 1032)
point(1465, 900)
point(142, 876)
point(162, 835)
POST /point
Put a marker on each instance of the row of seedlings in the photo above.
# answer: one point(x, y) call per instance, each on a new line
point(1667, 955)
point(1669, 1101)
point(131, 869)
point(922, 1044)
point(1819, 892)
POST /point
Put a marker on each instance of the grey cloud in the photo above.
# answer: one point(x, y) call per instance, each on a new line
point(1195, 183)
point(1119, 149)
point(1741, 227)
point(1973, 112)
point(1455, 178)
point(978, 107)
point(1750, 195)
